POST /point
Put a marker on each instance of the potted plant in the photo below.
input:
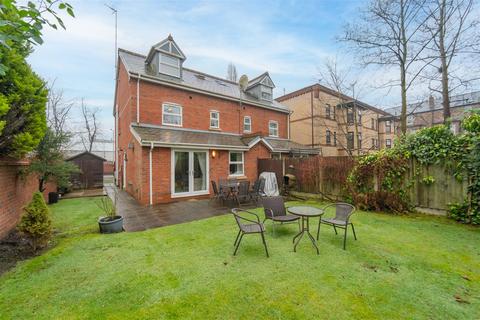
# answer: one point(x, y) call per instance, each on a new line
point(111, 222)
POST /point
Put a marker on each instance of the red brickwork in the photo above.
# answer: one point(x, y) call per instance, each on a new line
point(16, 193)
point(196, 115)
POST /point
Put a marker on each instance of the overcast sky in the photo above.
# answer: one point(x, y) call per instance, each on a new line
point(290, 39)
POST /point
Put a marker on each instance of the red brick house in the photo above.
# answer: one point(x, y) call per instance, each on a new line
point(177, 129)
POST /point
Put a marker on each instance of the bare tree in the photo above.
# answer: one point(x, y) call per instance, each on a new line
point(388, 34)
point(455, 35)
point(58, 110)
point(90, 125)
point(232, 72)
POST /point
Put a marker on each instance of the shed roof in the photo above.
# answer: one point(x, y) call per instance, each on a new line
point(83, 154)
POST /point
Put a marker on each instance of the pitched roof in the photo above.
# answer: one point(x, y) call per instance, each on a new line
point(171, 137)
point(330, 92)
point(260, 79)
point(194, 80)
point(85, 153)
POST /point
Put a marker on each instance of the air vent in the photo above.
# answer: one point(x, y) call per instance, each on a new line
point(200, 76)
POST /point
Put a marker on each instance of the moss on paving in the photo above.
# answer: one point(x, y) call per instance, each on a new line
point(401, 267)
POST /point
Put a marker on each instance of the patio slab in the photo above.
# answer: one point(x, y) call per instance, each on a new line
point(138, 218)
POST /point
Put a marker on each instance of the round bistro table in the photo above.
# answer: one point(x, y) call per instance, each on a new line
point(305, 212)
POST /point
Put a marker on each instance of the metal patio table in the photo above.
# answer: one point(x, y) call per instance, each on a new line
point(305, 212)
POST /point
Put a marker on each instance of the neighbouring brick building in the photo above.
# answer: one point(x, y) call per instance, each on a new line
point(335, 123)
point(176, 129)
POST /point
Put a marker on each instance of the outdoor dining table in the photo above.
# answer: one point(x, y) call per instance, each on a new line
point(232, 189)
point(305, 212)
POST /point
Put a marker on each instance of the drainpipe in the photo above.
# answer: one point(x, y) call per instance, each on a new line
point(151, 174)
point(288, 124)
point(116, 145)
point(311, 111)
point(138, 99)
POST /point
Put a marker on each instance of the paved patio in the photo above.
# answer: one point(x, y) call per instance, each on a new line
point(139, 218)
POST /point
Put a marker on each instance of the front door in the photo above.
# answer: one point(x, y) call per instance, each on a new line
point(189, 173)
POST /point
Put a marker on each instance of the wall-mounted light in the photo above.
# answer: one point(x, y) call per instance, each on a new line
point(214, 154)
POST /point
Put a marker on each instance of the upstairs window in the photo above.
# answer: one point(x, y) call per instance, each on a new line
point(359, 140)
point(266, 93)
point(359, 117)
point(247, 124)
point(169, 65)
point(328, 138)
point(327, 111)
point(350, 140)
point(214, 119)
point(373, 123)
point(171, 115)
point(410, 120)
point(334, 138)
point(236, 163)
point(273, 128)
point(388, 126)
point(350, 116)
point(333, 112)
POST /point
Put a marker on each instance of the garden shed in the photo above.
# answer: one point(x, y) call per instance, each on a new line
point(91, 170)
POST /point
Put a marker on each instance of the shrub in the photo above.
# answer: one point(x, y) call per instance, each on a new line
point(36, 223)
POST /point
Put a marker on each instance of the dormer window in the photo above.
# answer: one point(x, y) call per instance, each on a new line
point(266, 93)
point(169, 65)
point(166, 58)
point(261, 87)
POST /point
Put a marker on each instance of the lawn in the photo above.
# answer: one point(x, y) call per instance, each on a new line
point(401, 267)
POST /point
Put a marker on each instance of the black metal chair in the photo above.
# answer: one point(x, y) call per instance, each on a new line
point(343, 212)
point(274, 209)
point(243, 191)
point(258, 190)
point(248, 226)
point(217, 194)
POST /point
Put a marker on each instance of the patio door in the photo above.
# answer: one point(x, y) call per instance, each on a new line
point(189, 173)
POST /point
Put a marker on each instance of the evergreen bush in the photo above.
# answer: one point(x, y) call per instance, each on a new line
point(36, 223)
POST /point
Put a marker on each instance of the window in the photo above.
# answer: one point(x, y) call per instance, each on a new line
point(328, 137)
point(276, 156)
point(373, 143)
point(247, 124)
point(388, 143)
point(359, 140)
point(373, 123)
point(350, 141)
point(266, 93)
point(388, 126)
point(214, 119)
point(333, 113)
point(334, 138)
point(359, 117)
point(350, 116)
point(410, 120)
point(169, 65)
point(327, 111)
point(171, 115)
point(236, 163)
point(273, 128)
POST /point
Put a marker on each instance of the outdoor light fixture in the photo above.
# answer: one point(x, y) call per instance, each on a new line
point(214, 154)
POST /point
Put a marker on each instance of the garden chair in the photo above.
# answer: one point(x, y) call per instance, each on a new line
point(217, 194)
point(243, 191)
point(343, 212)
point(248, 226)
point(274, 209)
point(257, 192)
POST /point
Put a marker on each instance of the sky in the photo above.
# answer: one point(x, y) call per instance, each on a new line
point(289, 39)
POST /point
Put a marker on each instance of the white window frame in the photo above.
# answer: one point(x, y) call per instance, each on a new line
point(267, 90)
point(161, 61)
point(169, 104)
point(389, 144)
point(249, 124)
point(269, 128)
point(217, 119)
point(236, 162)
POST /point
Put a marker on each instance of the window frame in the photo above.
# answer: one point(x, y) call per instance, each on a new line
point(350, 116)
point(162, 62)
point(327, 111)
point(359, 140)
point(267, 90)
point(218, 119)
point(388, 124)
point(334, 138)
point(250, 124)
point(270, 122)
point(236, 162)
point(171, 104)
point(350, 140)
point(328, 137)
point(388, 143)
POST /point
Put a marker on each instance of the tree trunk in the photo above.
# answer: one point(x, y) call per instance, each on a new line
point(403, 115)
point(443, 59)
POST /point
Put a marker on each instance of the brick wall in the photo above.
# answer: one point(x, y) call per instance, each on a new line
point(16, 193)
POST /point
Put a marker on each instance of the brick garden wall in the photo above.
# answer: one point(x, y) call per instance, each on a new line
point(16, 193)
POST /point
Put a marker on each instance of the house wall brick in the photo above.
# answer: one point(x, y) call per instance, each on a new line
point(16, 193)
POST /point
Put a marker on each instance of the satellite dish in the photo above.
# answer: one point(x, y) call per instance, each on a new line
point(243, 82)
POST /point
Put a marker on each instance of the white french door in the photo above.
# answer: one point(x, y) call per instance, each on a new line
point(189, 173)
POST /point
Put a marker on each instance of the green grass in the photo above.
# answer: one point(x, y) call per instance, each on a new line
point(401, 267)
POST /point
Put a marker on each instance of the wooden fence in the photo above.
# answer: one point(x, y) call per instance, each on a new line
point(327, 176)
